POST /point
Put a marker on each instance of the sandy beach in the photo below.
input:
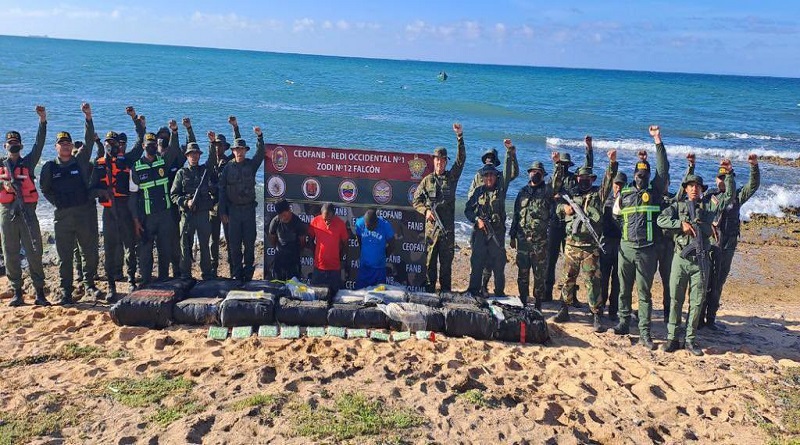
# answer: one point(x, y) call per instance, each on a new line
point(72, 376)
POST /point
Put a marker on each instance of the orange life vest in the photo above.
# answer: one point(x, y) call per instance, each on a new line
point(120, 178)
point(23, 174)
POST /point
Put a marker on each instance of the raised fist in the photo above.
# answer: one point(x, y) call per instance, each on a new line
point(232, 121)
point(655, 131)
point(173, 125)
point(588, 140)
point(87, 109)
point(691, 158)
point(212, 136)
point(41, 112)
point(257, 131)
point(753, 159)
point(642, 155)
point(612, 155)
point(187, 122)
point(458, 129)
point(507, 143)
point(130, 111)
point(555, 156)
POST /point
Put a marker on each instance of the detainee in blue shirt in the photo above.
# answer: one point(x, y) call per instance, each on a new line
point(376, 236)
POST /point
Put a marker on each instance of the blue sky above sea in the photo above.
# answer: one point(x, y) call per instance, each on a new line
point(720, 37)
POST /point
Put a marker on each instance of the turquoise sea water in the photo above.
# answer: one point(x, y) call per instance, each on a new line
point(400, 105)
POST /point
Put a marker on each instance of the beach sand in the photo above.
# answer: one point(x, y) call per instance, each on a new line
point(64, 373)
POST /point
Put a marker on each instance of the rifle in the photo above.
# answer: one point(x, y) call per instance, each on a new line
point(438, 225)
point(583, 219)
point(18, 206)
point(194, 197)
point(487, 226)
point(110, 188)
point(697, 246)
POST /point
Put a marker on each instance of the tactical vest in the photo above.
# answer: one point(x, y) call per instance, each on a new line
point(190, 180)
point(729, 220)
point(589, 201)
point(535, 208)
point(120, 178)
point(639, 210)
point(241, 182)
point(153, 185)
point(23, 174)
point(491, 205)
point(69, 187)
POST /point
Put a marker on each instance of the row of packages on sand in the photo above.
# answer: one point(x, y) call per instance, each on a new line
point(258, 303)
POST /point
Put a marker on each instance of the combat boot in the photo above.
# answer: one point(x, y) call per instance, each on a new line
point(647, 342)
point(17, 301)
point(40, 299)
point(563, 314)
point(713, 326)
point(671, 346)
point(693, 348)
point(596, 324)
point(622, 328)
point(111, 295)
point(66, 299)
point(93, 294)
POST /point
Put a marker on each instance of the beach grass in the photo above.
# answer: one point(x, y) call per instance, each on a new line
point(165, 415)
point(148, 390)
point(352, 415)
point(257, 401)
point(785, 392)
point(45, 419)
point(70, 351)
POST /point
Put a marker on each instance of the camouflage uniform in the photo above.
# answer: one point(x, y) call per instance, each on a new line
point(440, 190)
point(489, 204)
point(686, 271)
point(582, 252)
point(532, 210)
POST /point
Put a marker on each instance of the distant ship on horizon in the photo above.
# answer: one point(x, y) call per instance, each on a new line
point(43, 36)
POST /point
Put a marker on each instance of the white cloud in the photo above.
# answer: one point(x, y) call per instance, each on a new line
point(61, 12)
point(303, 25)
point(342, 25)
point(223, 21)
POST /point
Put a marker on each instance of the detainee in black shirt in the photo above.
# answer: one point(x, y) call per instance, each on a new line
point(287, 233)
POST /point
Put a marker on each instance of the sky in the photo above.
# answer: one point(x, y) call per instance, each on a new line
point(719, 37)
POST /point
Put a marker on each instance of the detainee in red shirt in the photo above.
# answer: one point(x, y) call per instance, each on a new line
point(330, 239)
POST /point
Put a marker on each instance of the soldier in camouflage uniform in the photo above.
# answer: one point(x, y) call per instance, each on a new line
point(686, 267)
point(562, 162)
point(582, 252)
point(438, 190)
point(490, 157)
point(486, 209)
point(532, 210)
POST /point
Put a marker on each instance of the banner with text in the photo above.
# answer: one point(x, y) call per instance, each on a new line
point(355, 181)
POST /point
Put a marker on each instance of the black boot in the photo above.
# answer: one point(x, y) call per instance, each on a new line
point(17, 301)
point(40, 299)
point(622, 328)
point(111, 295)
point(694, 349)
point(598, 327)
point(562, 315)
point(671, 346)
point(66, 299)
point(712, 325)
point(647, 342)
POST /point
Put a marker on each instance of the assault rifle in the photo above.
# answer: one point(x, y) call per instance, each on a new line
point(583, 219)
point(697, 246)
point(194, 197)
point(487, 227)
point(18, 207)
point(437, 221)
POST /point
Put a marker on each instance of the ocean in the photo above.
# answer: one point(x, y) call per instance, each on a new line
point(401, 106)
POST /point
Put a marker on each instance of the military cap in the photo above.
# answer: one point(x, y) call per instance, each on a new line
point(122, 137)
point(440, 152)
point(13, 136)
point(694, 179)
point(488, 169)
point(150, 138)
point(565, 158)
point(63, 136)
point(112, 136)
point(493, 153)
point(220, 138)
point(621, 178)
point(192, 147)
point(642, 166)
point(240, 143)
point(586, 171)
point(537, 166)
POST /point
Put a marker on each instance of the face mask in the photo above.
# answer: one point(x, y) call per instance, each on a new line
point(151, 150)
point(585, 184)
point(15, 148)
point(641, 181)
point(535, 177)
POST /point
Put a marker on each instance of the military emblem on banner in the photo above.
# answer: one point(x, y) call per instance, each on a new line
point(311, 188)
point(417, 167)
point(276, 186)
point(348, 190)
point(382, 192)
point(411, 192)
point(280, 158)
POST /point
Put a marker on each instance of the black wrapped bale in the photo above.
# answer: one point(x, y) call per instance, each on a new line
point(181, 286)
point(357, 316)
point(242, 308)
point(431, 300)
point(197, 311)
point(468, 320)
point(510, 329)
point(462, 298)
point(213, 288)
point(302, 313)
point(277, 289)
point(414, 317)
point(151, 308)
